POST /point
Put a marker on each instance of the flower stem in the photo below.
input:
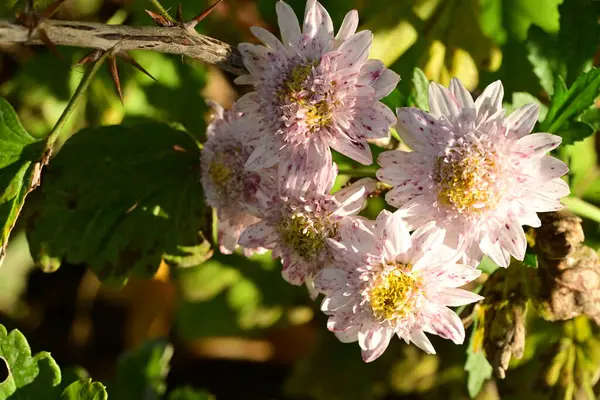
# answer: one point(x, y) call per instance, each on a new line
point(162, 10)
point(75, 99)
point(582, 208)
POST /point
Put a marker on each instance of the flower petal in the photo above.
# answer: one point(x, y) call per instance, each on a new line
point(512, 238)
point(392, 234)
point(330, 280)
point(453, 297)
point(521, 121)
point(318, 24)
point(348, 27)
point(445, 323)
point(258, 235)
point(356, 149)
point(265, 155)
point(421, 340)
point(375, 121)
point(288, 23)
point(416, 127)
point(352, 198)
point(442, 102)
point(355, 50)
point(268, 39)
point(349, 335)
point(462, 95)
point(490, 101)
point(374, 353)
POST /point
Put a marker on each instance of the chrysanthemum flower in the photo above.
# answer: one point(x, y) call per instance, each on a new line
point(388, 282)
point(478, 174)
point(296, 224)
point(314, 91)
point(228, 186)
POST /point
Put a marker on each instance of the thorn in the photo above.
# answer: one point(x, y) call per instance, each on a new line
point(92, 56)
point(179, 14)
point(192, 24)
point(159, 19)
point(127, 57)
point(114, 72)
point(46, 40)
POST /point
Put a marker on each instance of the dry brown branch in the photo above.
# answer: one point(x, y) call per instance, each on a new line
point(179, 40)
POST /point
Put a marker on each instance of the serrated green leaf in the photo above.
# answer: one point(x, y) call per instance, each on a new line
point(420, 90)
point(543, 56)
point(85, 390)
point(142, 373)
point(30, 377)
point(20, 155)
point(568, 104)
point(120, 199)
point(477, 366)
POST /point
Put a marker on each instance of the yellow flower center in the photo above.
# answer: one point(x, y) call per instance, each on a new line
point(467, 184)
point(305, 237)
point(394, 294)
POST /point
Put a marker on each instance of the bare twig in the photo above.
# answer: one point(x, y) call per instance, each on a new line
point(173, 40)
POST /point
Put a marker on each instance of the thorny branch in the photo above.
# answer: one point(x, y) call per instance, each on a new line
point(179, 40)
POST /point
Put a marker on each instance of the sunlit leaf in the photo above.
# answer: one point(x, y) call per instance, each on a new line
point(121, 199)
point(20, 164)
point(85, 390)
point(29, 377)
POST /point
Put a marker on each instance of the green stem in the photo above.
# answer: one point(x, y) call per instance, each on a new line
point(358, 172)
point(162, 10)
point(75, 99)
point(582, 208)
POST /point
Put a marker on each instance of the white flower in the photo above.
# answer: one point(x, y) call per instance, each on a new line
point(477, 174)
point(296, 224)
point(389, 282)
point(228, 186)
point(314, 91)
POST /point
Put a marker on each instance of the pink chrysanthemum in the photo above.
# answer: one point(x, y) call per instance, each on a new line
point(315, 89)
point(228, 186)
point(388, 282)
point(478, 174)
point(296, 224)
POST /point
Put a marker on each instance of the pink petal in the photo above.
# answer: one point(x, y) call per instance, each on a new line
point(258, 235)
point(521, 121)
point(357, 234)
point(490, 101)
point(268, 39)
point(442, 102)
point(454, 275)
point(375, 121)
point(373, 353)
point(426, 240)
point(416, 127)
point(512, 238)
point(352, 198)
point(255, 58)
point(445, 323)
point(462, 95)
point(401, 195)
point(294, 272)
point(538, 144)
point(551, 168)
point(494, 251)
point(392, 234)
point(288, 23)
point(265, 155)
point(453, 297)
point(318, 24)
point(348, 27)
point(556, 189)
point(419, 338)
point(349, 335)
point(330, 280)
point(395, 175)
point(356, 149)
point(335, 302)
point(375, 74)
point(355, 50)
point(244, 80)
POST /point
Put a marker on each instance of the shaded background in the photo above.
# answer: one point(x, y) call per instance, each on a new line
point(239, 331)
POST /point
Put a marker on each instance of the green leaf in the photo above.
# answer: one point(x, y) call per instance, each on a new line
point(419, 93)
point(188, 393)
point(477, 366)
point(141, 374)
point(568, 104)
point(28, 377)
point(394, 100)
point(544, 57)
point(121, 199)
point(20, 155)
point(500, 19)
point(85, 390)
